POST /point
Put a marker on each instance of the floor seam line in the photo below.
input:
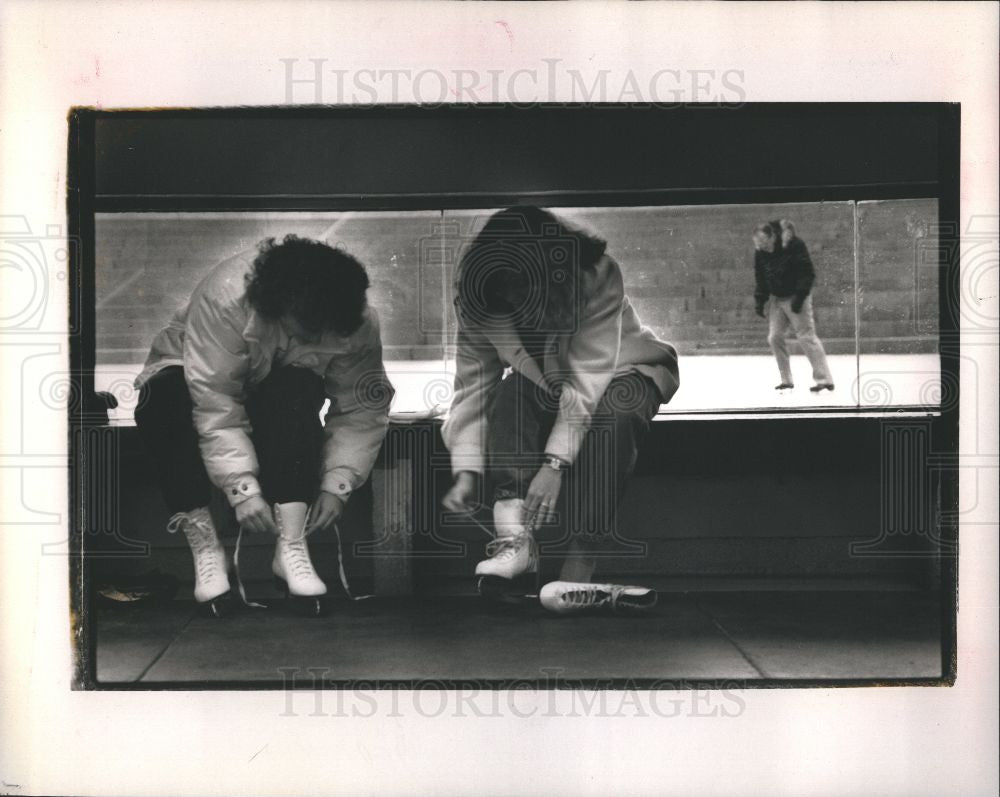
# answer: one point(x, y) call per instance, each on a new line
point(165, 648)
point(732, 641)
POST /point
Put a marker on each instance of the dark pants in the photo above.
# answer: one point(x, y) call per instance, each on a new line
point(521, 419)
point(287, 436)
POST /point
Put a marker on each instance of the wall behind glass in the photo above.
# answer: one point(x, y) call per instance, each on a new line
point(688, 271)
point(898, 310)
point(148, 264)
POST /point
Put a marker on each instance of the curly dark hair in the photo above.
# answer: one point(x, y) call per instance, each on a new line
point(322, 287)
point(526, 266)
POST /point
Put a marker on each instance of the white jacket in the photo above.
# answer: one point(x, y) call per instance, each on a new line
point(609, 341)
point(226, 348)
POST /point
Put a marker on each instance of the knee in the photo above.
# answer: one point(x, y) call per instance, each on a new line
point(774, 340)
point(629, 430)
point(612, 435)
point(164, 393)
point(142, 406)
point(517, 398)
point(514, 387)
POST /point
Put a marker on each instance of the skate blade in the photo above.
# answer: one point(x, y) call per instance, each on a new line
point(519, 591)
point(304, 605)
point(218, 607)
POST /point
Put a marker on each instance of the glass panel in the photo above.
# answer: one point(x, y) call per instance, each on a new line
point(148, 264)
point(898, 263)
point(689, 273)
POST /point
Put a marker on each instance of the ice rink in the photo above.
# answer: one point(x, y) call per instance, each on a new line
point(709, 383)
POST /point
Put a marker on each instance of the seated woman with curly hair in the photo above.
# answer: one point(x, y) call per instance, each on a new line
point(231, 395)
point(557, 381)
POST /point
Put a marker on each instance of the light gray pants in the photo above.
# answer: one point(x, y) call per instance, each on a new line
point(780, 316)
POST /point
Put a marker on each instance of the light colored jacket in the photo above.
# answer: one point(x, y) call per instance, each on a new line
point(609, 341)
point(226, 348)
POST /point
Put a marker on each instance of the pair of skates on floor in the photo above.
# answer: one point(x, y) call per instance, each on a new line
point(293, 571)
point(510, 574)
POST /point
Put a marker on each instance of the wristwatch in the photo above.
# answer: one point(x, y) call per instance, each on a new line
point(554, 462)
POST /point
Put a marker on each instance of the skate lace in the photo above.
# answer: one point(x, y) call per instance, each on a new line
point(296, 551)
point(201, 537)
point(587, 597)
point(504, 549)
point(297, 557)
point(342, 572)
point(300, 563)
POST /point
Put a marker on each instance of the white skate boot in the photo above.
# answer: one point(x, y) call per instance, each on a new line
point(511, 568)
point(292, 567)
point(211, 582)
point(568, 597)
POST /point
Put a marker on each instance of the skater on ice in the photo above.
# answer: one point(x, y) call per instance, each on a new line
point(231, 395)
point(556, 383)
point(784, 279)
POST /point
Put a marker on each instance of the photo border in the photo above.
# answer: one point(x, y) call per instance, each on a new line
point(87, 414)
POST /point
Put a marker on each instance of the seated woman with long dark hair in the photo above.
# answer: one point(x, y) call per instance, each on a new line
point(557, 381)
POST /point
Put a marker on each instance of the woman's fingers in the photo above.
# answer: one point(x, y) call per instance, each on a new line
point(457, 500)
point(530, 509)
point(319, 520)
point(530, 517)
point(267, 524)
point(315, 520)
point(324, 516)
point(259, 523)
point(539, 512)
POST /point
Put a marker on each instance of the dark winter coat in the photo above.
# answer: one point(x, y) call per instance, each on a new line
point(787, 271)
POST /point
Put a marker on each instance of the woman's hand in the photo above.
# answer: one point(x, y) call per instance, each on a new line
point(255, 515)
point(324, 512)
point(460, 497)
point(540, 503)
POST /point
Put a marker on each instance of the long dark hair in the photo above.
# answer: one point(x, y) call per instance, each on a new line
point(322, 287)
point(527, 267)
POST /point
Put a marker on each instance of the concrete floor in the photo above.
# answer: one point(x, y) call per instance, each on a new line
point(689, 636)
